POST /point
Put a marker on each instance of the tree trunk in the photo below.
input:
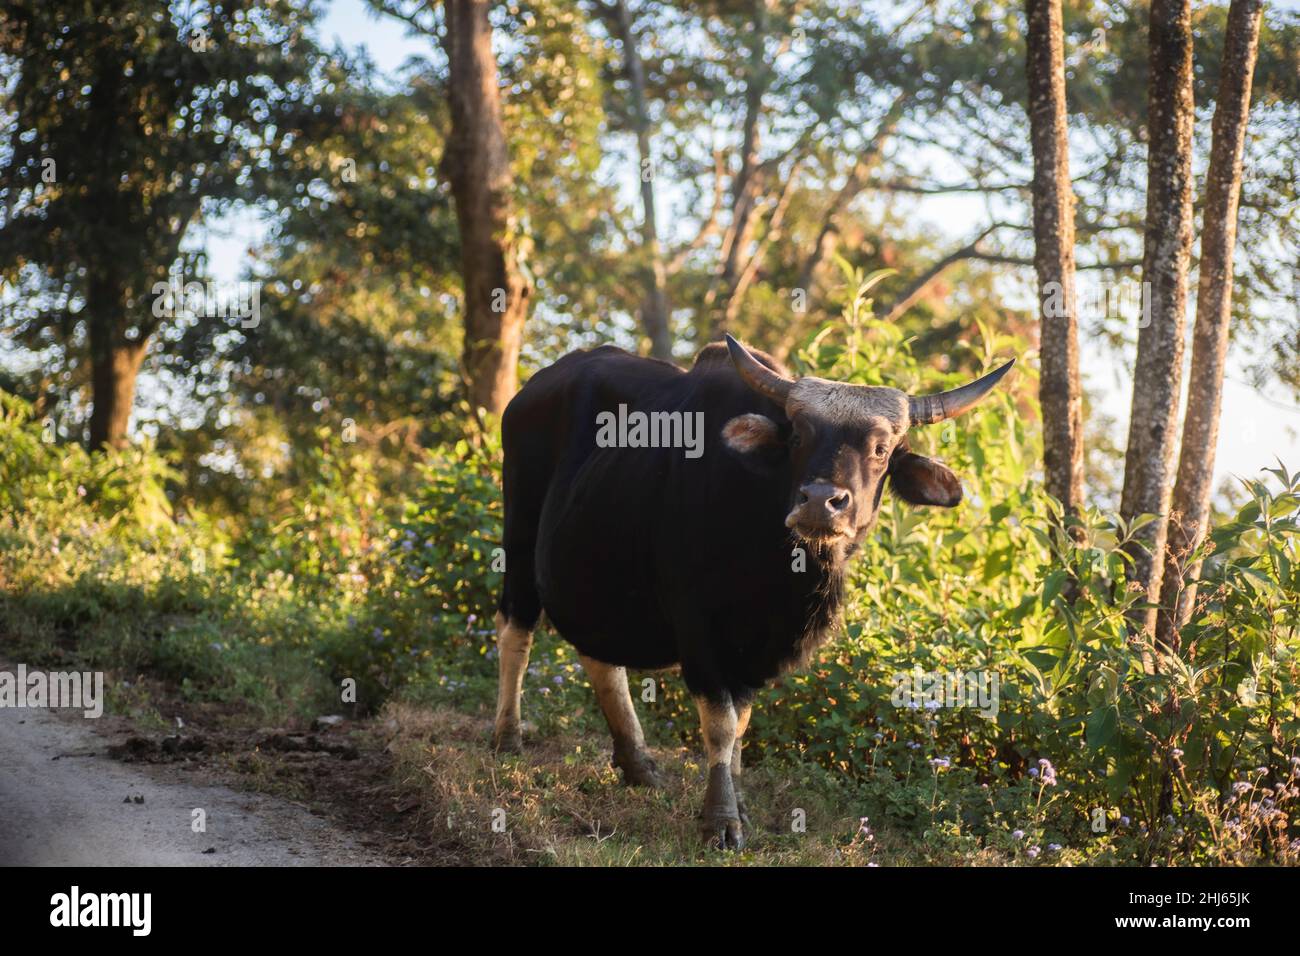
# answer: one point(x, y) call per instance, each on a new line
point(1166, 248)
point(1058, 387)
point(115, 364)
point(477, 165)
point(654, 306)
point(1189, 511)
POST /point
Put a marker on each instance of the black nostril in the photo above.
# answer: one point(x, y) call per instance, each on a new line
point(839, 502)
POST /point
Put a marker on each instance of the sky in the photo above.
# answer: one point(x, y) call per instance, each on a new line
point(1256, 428)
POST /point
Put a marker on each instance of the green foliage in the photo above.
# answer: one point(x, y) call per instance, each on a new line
point(125, 122)
point(359, 282)
point(97, 568)
point(59, 483)
point(429, 586)
point(450, 534)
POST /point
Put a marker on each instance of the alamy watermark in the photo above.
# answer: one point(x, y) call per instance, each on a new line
point(651, 430)
point(1106, 300)
point(131, 911)
point(82, 691)
point(932, 690)
point(238, 300)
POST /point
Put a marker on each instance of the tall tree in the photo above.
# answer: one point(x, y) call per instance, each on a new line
point(360, 264)
point(1053, 201)
point(654, 304)
point(477, 164)
point(1190, 507)
point(128, 123)
point(1167, 243)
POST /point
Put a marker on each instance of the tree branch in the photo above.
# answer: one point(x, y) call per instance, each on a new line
point(393, 8)
point(852, 188)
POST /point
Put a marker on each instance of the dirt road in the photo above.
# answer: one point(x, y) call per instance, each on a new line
point(64, 802)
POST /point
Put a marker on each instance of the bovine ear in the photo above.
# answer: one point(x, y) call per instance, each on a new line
point(924, 481)
point(755, 440)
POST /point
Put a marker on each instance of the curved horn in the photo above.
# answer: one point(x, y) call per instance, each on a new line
point(928, 409)
point(757, 375)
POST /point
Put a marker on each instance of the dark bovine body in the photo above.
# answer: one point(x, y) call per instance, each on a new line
point(643, 557)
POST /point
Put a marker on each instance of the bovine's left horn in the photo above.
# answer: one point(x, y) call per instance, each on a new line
point(757, 375)
point(928, 409)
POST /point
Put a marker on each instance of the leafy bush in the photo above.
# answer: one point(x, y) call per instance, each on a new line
point(318, 586)
point(97, 569)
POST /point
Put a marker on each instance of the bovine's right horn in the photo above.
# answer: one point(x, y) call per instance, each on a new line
point(757, 375)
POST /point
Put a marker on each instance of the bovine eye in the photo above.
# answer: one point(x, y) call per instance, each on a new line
point(795, 440)
point(880, 450)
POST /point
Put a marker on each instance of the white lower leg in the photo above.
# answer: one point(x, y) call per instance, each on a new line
point(718, 724)
point(615, 700)
point(513, 646)
point(630, 755)
point(742, 724)
point(723, 826)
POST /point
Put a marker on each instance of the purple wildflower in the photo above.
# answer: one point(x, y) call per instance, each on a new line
point(1049, 772)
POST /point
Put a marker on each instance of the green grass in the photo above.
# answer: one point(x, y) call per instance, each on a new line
point(560, 803)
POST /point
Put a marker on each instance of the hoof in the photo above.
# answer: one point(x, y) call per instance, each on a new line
point(724, 828)
point(724, 834)
point(639, 770)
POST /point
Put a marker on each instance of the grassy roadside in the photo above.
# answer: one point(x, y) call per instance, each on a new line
point(416, 778)
point(419, 781)
point(560, 803)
